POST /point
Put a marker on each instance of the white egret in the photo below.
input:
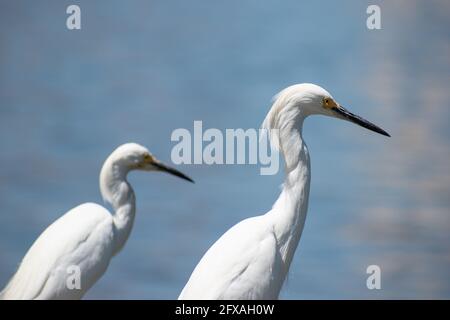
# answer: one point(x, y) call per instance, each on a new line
point(84, 239)
point(251, 260)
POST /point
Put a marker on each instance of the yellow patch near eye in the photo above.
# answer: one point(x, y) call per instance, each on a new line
point(148, 158)
point(329, 103)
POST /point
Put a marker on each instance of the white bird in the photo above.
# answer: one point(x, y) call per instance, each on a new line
point(84, 239)
point(252, 259)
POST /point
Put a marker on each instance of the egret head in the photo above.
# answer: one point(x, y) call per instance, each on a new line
point(132, 156)
point(312, 99)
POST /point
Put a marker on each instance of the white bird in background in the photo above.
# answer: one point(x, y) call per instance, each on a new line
point(86, 237)
point(252, 259)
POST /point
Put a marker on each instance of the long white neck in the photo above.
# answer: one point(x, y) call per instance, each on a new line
point(289, 211)
point(118, 192)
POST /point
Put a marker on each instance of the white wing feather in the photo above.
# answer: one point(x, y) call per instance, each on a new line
point(83, 238)
point(238, 266)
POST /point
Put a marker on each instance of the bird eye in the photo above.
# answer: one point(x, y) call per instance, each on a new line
point(147, 157)
point(327, 101)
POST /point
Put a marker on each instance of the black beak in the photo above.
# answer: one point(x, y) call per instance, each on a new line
point(161, 166)
point(347, 115)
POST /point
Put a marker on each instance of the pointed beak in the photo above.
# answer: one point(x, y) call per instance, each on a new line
point(343, 113)
point(162, 167)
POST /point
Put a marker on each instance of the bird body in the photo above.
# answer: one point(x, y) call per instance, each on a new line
point(240, 265)
point(86, 237)
point(82, 237)
point(252, 259)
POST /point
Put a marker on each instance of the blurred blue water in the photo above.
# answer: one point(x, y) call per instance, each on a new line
point(138, 70)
